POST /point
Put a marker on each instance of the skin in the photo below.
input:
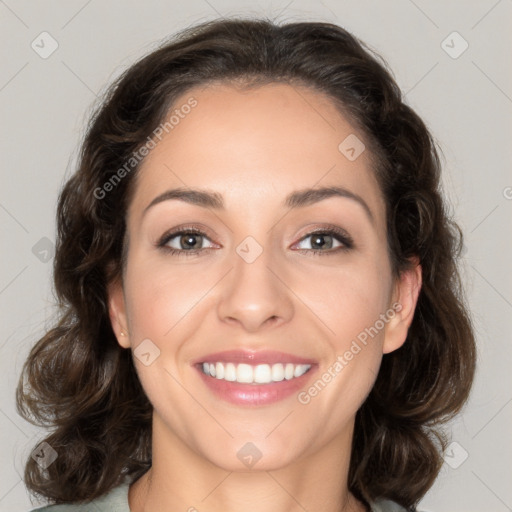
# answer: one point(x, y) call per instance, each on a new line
point(254, 147)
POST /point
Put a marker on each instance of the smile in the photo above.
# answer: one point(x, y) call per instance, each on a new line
point(249, 374)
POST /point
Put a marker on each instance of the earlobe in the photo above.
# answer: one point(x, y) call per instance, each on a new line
point(117, 312)
point(404, 302)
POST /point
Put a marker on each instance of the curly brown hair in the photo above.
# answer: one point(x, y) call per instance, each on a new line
point(81, 383)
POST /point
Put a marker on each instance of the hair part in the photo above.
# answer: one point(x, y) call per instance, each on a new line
point(80, 382)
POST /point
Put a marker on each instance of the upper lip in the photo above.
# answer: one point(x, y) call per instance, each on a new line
point(253, 357)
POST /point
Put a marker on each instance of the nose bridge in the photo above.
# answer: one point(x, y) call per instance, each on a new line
point(254, 294)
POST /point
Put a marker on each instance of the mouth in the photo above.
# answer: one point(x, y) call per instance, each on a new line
point(254, 378)
point(248, 374)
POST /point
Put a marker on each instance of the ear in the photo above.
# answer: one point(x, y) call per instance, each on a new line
point(117, 312)
point(405, 298)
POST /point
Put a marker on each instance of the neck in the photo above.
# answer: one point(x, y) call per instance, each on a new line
point(181, 479)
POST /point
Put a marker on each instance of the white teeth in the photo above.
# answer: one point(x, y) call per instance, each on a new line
point(219, 371)
point(260, 374)
point(244, 373)
point(230, 373)
point(277, 372)
point(300, 369)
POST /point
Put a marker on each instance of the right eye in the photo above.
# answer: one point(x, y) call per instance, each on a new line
point(184, 242)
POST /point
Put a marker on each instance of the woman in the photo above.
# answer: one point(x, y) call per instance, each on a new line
point(261, 307)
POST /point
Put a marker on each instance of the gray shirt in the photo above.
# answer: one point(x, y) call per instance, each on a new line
point(117, 501)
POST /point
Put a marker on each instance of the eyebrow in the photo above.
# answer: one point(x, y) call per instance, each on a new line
point(297, 199)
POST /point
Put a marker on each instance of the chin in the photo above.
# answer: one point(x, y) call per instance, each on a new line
point(251, 454)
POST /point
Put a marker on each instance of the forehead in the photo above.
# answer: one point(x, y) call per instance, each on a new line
point(254, 145)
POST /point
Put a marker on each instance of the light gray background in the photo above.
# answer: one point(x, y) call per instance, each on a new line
point(466, 102)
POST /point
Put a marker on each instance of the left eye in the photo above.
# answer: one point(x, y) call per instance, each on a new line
point(321, 241)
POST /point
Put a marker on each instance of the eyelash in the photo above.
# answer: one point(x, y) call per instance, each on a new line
point(339, 234)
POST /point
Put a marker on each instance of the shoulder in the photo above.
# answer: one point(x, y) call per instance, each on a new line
point(114, 501)
point(387, 506)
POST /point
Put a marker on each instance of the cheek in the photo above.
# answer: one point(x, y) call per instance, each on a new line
point(348, 299)
point(352, 354)
point(160, 296)
point(351, 302)
point(356, 300)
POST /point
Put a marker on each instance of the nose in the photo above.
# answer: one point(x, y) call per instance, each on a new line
point(255, 295)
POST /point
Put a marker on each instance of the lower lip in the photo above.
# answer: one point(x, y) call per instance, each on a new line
point(255, 394)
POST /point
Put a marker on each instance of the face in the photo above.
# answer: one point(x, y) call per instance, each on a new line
point(261, 280)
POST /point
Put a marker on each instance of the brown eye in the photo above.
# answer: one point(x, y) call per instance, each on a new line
point(189, 241)
point(184, 241)
point(325, 241)
point(322, 241)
